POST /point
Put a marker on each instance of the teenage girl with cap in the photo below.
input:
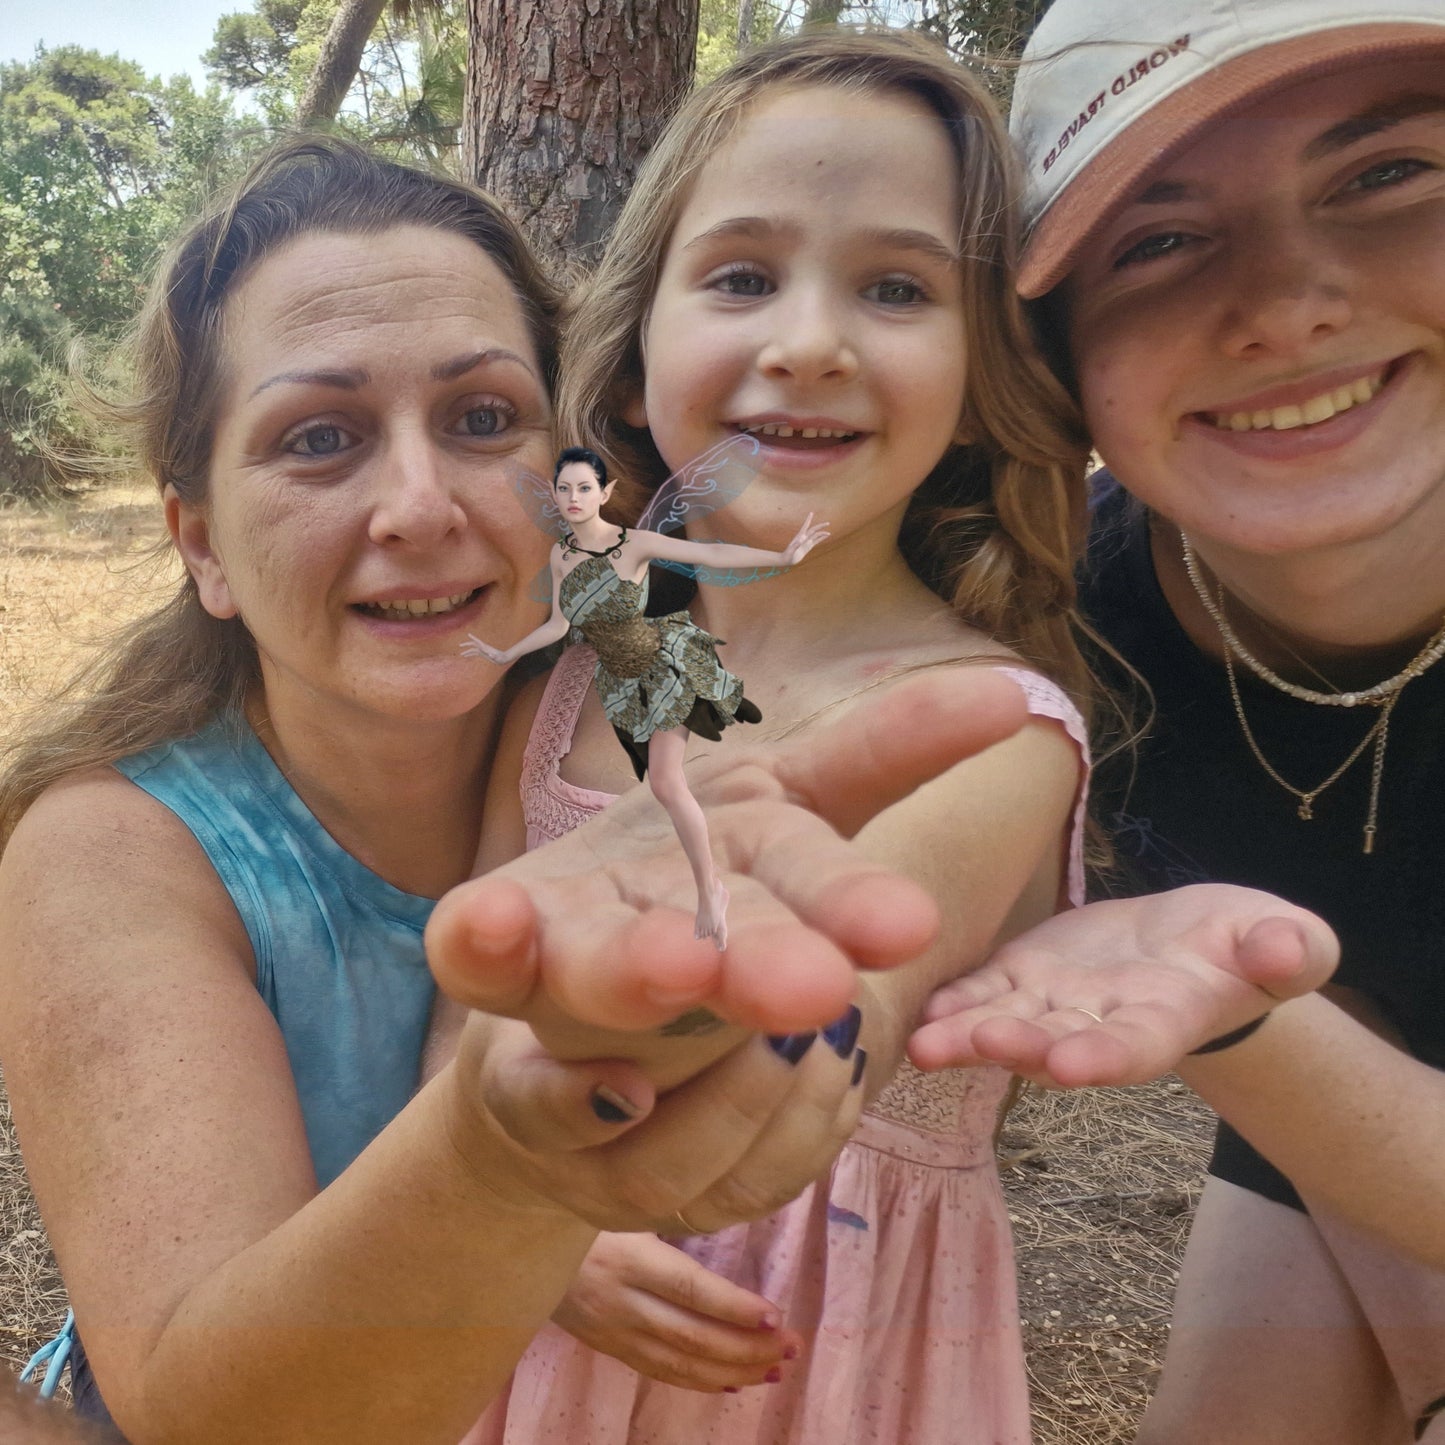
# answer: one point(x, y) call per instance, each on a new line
point(1239, 250)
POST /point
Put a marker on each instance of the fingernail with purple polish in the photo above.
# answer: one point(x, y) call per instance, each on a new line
point(773, 1377)
point(842, 1034)
point(791, 1047)
point(860, 1062)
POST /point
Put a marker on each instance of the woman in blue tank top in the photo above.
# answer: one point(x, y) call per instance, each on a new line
point(222, 863)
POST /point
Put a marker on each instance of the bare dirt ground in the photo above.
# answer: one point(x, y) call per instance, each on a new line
point(1101, 1185)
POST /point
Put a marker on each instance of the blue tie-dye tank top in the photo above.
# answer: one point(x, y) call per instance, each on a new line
point(338, 950)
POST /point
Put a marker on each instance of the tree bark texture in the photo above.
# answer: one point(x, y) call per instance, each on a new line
point(340, 59)
point(564, 99)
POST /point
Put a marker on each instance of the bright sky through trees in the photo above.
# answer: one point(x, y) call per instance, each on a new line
point(164, 37)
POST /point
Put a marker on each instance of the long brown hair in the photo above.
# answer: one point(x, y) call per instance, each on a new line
point(176, 668)
point(997, 527)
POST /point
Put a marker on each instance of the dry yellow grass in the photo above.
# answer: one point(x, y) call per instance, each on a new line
point(1100, 1185)
point(69, 573)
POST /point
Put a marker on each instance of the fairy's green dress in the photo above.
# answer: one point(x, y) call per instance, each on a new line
point(653, 673)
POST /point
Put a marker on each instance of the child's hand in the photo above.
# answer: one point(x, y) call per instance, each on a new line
point(652, 1307)
point(809, 535)
point(1118, 992)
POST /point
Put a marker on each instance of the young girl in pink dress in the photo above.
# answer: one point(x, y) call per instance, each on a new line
point(820, 254)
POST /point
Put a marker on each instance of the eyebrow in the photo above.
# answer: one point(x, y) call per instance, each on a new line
point(350, 380)
point(894, 239)
point(460, 365)
point(354, 378)
point(1373, 121)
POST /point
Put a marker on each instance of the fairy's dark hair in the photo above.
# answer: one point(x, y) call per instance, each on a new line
point(585, 455)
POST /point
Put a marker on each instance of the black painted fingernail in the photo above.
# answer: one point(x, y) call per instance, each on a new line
point(791, 1047)
point(611, 1107)
point(842, 1034)
point(860, 1062)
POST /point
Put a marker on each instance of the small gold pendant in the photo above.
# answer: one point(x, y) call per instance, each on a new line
point(1306, 810)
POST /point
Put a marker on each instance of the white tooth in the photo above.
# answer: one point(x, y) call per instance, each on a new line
point(1364, 388)
point(1286, 418)
point(417, 607)
point(785, 431)
point(1260, 419)
point(809, 431)
point(1343, 398)
point(458, 599)
point(1239, 421)
point(1317, 409)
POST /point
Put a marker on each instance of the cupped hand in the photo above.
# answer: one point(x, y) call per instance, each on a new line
point(648, 1304)
point(1120, 991)
point(592, 935)
point(734, 1143)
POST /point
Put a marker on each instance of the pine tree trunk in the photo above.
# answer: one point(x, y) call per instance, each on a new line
point(564, 98)
point(340, 59)
point(745, 26)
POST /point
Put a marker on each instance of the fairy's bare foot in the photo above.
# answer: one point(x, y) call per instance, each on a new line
point(712, 917)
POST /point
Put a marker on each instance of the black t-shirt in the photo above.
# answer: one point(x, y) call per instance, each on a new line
point(1192, 804)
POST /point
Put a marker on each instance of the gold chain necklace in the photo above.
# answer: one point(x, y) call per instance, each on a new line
point(1383, 695)
point(1427, 657)
point(1379, 734)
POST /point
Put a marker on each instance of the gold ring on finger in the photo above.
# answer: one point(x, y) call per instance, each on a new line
point(1088, 1013)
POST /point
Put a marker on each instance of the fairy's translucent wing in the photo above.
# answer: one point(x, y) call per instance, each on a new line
point(539, 501)
point(706, 484)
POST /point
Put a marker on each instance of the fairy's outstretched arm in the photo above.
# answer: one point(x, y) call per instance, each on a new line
point(554, 629)
point(723, 555)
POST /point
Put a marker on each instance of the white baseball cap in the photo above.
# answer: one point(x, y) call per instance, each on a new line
point(1109, 88)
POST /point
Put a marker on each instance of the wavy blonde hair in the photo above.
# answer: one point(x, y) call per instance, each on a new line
point(176, 668)
point(997, 527)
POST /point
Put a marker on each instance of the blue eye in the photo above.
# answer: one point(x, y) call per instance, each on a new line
point(484, 421)
point(897, 291)
point(743, 281)
point(320, 440)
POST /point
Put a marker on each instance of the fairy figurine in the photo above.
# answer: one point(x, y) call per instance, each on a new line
point(659, 678)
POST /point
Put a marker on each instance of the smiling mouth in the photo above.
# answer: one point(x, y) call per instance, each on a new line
point(405, 609)
point(1307, 413)
point(781, 431)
